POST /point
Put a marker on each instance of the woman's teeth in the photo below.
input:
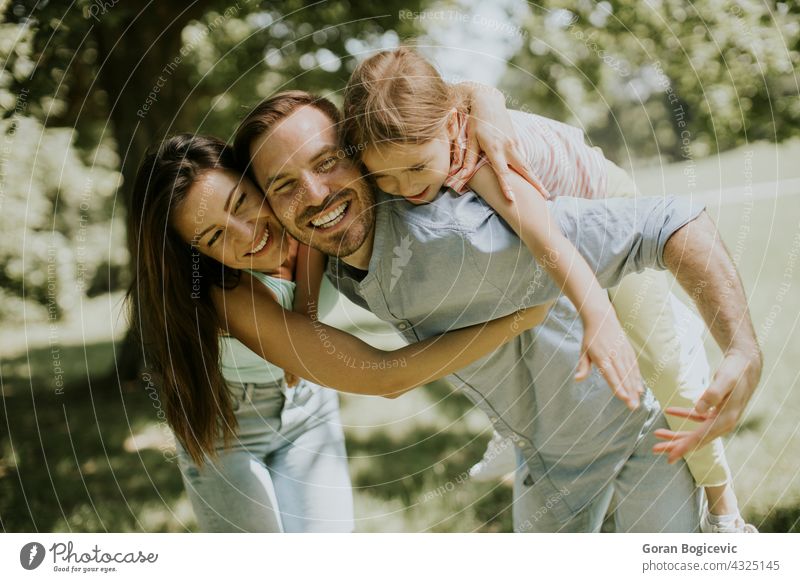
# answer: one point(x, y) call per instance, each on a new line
point(333, 217)
point(262, 243)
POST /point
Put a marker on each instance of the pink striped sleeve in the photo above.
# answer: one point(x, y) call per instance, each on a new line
point(559, 155)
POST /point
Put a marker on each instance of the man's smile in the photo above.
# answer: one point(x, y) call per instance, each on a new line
point(332, 217)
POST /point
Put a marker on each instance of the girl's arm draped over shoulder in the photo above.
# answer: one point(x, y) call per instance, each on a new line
point(490, 131)
point(605, 343)
point(336, 359)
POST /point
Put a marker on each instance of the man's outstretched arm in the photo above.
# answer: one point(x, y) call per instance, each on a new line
point(699, 260)
point(618, 236)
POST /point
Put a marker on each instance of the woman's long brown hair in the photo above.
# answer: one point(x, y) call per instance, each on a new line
point(169, 299)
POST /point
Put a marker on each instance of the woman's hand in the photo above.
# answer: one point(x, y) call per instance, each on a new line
point(491, 131)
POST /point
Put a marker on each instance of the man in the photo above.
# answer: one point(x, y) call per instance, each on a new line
point(453, 263)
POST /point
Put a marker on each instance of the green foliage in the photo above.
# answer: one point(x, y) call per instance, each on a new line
point(54, 216)
point(238, 61)
point(663, 76)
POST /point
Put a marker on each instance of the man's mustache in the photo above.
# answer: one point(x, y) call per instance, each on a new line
point(329, 202)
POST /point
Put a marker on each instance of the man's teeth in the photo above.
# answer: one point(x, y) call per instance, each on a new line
point(262, 243)
point(332, 218)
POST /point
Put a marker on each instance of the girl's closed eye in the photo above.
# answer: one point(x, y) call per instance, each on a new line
point(327, 164)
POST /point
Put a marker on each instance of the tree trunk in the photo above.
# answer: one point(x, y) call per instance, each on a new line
point(146, 85)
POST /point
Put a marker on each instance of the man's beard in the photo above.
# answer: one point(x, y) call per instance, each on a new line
point(347, 242)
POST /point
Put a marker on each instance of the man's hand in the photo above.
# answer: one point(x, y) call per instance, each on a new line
point(698, 259)
point(718, 409)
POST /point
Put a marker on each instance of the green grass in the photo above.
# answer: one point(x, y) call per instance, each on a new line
point(765, 460)
point(63, 463)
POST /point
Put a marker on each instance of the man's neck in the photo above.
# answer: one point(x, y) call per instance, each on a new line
point(360, 259)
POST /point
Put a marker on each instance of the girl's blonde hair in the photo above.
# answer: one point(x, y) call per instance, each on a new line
point(396, 96)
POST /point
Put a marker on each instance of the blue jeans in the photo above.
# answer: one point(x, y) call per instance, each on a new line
point(647, 495)
point(286, 470)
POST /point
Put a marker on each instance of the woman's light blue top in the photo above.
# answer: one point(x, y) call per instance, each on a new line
point(239, 363)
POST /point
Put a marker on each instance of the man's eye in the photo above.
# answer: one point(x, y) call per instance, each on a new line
point(327, 164)
point(240, 201)
point(417, 168)
point(285, 188)
point(214, 237)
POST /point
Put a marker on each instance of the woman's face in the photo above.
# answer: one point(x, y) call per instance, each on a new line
point(228, 219)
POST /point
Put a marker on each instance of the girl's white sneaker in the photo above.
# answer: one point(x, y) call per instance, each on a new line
point(735, 524)
point(498, 461)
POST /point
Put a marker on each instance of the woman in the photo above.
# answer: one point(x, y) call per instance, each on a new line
point(214, 314)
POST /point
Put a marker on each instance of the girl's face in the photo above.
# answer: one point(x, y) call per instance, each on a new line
point(228, 219)
point(414, 171)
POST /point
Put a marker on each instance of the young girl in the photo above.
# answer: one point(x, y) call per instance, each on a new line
point(212, 293)
point(409, 126)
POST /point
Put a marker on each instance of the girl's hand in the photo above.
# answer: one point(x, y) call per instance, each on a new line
point(491, 131)
point(606, 346)
point(291, 379)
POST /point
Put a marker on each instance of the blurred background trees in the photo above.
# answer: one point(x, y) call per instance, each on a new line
point(663, 78)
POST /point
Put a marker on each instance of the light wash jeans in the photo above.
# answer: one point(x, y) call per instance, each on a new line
point(287, 468)
point(646, 495)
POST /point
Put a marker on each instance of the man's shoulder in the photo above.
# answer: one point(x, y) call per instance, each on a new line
point(448, 212)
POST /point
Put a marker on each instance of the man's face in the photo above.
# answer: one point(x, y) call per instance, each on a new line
point(317, 193)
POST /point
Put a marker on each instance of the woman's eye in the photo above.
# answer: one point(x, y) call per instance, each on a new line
point(214, 237)
point(240, 201)
point(418, 168)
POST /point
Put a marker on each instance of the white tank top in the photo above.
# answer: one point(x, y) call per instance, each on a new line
point(239, 363)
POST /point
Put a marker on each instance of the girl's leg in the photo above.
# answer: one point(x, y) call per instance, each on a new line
point(652, 316)
point(309, 470)
point(672, 359)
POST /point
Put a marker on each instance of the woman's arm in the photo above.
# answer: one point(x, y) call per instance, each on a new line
point(605, 343)
point(339, 360)
point(309, 269)
point(308, 277)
